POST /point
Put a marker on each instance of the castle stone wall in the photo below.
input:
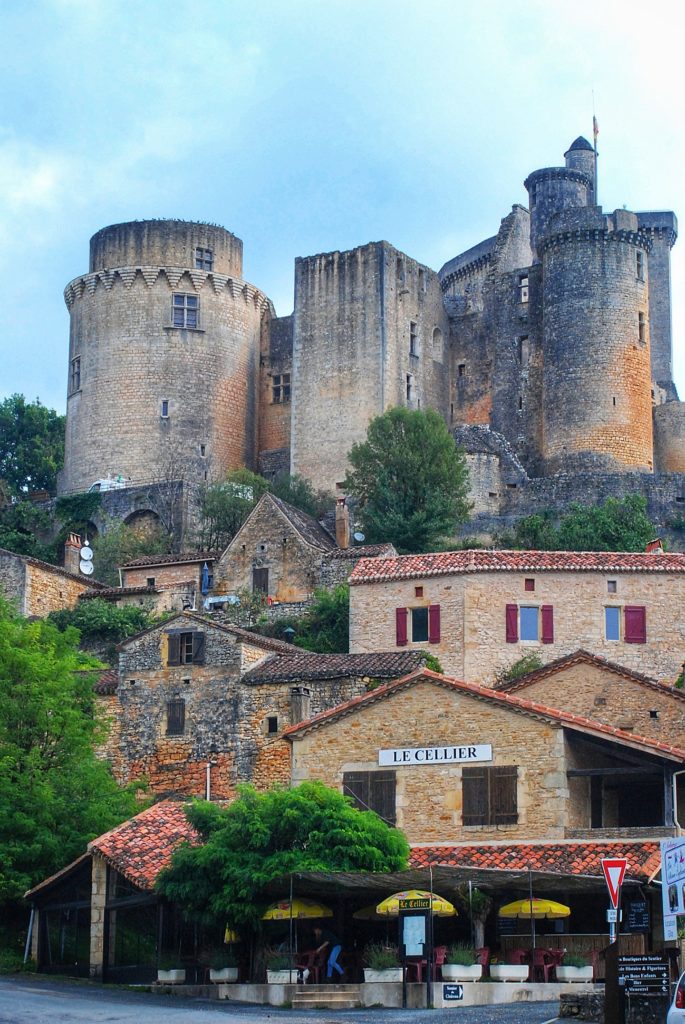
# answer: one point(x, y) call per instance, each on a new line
point(662, 230)
point(275, 384)
point(669, 437)
point(149, 243)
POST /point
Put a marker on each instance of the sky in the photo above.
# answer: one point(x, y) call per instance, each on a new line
point(305, 126)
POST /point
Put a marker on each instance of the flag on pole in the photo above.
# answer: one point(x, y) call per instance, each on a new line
point(595, 127)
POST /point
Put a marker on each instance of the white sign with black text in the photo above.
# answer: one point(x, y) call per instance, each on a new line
point(436, 755)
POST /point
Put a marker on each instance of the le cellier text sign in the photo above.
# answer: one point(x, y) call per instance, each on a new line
point(436, 755)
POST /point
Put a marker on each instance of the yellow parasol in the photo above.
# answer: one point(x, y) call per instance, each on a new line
point(301, 909)
point(230, 936)
point(390, 907)
point(368, 914)
point(534, 908)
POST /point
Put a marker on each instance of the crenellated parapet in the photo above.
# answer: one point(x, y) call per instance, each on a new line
point(221, 284)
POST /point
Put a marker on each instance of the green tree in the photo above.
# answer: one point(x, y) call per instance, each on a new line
point(119, 544)
point(102, 623)
point(225, 506)
point(620, 524)
point(263, 836)
point(299, 492)
point(31, 445)
point(25, 529)
point(324, 628)
point(55, 794)
point(410, 478)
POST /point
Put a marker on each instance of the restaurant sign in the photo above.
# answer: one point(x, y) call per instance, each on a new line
point(436, 755)
point(418, 903)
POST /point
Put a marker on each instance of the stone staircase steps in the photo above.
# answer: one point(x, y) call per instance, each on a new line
point(328, 997)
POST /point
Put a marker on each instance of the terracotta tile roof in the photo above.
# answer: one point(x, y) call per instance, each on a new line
point(566, 858)
point(307, 665)
point(581, 657)
point(112, 593)
point(58, 570)
point(567, 719)
point(141, 847)
point(364, 551)
point(184, 556)
point(106, 682)
point(215, 622)
point(449, 562)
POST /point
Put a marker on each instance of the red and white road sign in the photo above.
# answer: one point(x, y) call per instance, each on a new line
point(614, 871)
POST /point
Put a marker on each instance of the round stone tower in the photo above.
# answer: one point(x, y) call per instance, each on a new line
point(597, 403)
point(163, 356)
point(551, 190)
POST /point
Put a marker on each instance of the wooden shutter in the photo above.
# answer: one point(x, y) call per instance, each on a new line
point(356, 786)
point(547, 624)
point(434, 624)
point(474, 791)
point(174, 649)
point(503, 795)
point(512, 621)
point(176, 717)
point(198, 648)
point(635, 631)
point(401, 616)
point(382, 795)
point(260, 580)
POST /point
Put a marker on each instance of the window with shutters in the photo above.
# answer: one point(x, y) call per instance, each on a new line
point(372, 791)
point(175, 717)
point(489, 795)
point(186, 648)
point(612, 623)
point(419, 625)
point(635, 624)
point(529, 623)
point(260, 580)
point(424, 622)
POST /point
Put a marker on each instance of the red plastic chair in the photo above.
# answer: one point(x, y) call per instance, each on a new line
point(541, 966)
point(314, 962)
point(517, 956)
point(483, 958)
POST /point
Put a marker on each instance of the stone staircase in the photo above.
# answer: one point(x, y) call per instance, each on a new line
point(326, 997)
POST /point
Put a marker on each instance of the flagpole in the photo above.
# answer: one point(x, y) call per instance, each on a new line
point(595, 133)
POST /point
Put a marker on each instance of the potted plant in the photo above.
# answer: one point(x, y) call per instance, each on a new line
point(461, 964)
point(382, 963)
point(169, 970)
point(224, 967)
point(575, 967)
point(502, 971)
point(279, 970)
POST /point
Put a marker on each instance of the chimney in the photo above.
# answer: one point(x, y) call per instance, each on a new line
point(655, 547)
point(342, 524)
point(72, 553)
point(299, 704)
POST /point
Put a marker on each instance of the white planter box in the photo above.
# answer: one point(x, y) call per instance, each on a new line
point(574, 973)
point(389, 974)
point(223, 974)
point(461, 972)
point(509, 972)
point(285, 977)
point(174, 977)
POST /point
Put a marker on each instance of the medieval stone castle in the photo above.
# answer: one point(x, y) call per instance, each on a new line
point(547, 348)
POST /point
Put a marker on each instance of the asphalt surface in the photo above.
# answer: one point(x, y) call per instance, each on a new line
point(25, 999)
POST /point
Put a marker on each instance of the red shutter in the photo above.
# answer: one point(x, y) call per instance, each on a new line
point(547, 624)
point(512, 620)
point(434, 623)
point(401, 627)
point(635, 631)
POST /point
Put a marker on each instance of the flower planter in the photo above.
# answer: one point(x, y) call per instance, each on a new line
point(574, 973)
point(173, 977)
point(509, 972)
point(285, 977)
point(461, 972)
point(372, 976)
point(223, 975)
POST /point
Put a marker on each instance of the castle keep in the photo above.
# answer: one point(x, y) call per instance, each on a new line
point(547, 348)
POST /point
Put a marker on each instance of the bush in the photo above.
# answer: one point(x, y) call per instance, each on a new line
point(457, 953)
point(575, 960)
point(528, 663)
point(380, 956)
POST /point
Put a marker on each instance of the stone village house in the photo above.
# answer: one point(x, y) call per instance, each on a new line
point(38, 587)
point(480, 611)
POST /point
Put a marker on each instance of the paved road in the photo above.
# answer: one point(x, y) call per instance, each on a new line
point(29, 1000)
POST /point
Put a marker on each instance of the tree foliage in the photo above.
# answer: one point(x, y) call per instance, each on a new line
point(119, 544)
point(25, 529)
point(55, 795)
point(31, 445)
point(263, 836)
point(620, 524)
point(324, 628)
point(410, 478)
point(99, 621)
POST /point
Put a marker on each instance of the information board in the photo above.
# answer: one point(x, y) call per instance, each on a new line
point(637, 916)
point(644, 975)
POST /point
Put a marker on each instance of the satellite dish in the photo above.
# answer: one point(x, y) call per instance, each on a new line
point(86, 553)
point(86, 567)
point(359, 537)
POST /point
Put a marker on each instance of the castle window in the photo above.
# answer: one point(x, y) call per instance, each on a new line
point(640, 269)
point(272, 724)
point(641, 328)
point(400, 270)
point(185, 310)
point(524, 350)
point(75, 375)
point(413, 339)
point(422, 280)
point(164, 408)
point(280, 388)
point(175, 717)
point(410, 387)
point(520, 404)
point(461, 370)
point(204, 259)
point(203, 450)
point(437, 345)
point(523, 288)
